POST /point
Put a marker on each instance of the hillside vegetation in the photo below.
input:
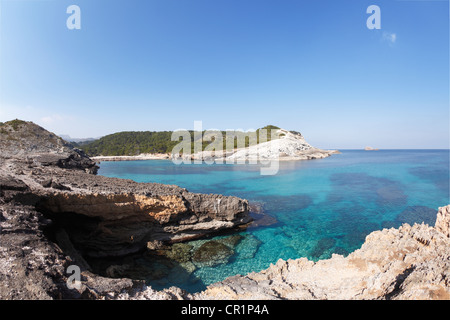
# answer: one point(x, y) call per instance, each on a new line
point(131, 143)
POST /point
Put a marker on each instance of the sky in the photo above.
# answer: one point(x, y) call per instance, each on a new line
point(310, 66)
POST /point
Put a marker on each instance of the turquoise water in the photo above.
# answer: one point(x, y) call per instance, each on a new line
point(321, 206)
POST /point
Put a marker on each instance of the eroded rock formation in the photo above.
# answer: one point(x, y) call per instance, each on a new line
point(109, 224)
point(443, 221)
point(33, 145)
point(56, 212)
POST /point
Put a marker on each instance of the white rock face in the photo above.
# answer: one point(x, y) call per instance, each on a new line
point(290, 145)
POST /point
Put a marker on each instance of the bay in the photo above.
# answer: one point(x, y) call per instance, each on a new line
point(313, 208)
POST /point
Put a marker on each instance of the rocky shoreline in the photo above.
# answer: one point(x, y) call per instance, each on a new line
point(53, 205)
point(56, 213)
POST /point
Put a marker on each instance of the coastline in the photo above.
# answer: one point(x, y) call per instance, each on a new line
point(291, 146)
point(55, 213)
point(317, 154)
point(143, 156)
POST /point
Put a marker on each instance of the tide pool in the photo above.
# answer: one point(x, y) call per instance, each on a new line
point(320, 207)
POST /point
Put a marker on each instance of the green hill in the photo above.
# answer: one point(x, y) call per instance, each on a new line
point(131, 143)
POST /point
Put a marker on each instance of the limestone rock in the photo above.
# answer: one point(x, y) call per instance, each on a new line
point(443, 220)
point(111, 224)
point(288, 146)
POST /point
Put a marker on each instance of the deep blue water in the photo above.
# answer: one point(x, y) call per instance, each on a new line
point(321, 206)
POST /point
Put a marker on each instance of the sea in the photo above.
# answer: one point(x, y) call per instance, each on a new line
point(310, 209)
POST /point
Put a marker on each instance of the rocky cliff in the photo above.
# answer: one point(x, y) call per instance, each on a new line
point(52, 205)
point(31, 144)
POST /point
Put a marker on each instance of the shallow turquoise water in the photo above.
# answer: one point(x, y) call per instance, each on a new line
point(321, 206)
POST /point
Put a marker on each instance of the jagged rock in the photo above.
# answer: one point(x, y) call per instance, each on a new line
point(36, 146)
point(47, 183)
point(156, 245)
point(443, 220)
point(31, 267)
point(59, 186)
point(11, 183)
point(126, 222)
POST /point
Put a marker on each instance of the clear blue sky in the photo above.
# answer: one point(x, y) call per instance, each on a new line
point(309, 66)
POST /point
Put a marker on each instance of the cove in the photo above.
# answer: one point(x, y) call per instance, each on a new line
point(310, 209)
